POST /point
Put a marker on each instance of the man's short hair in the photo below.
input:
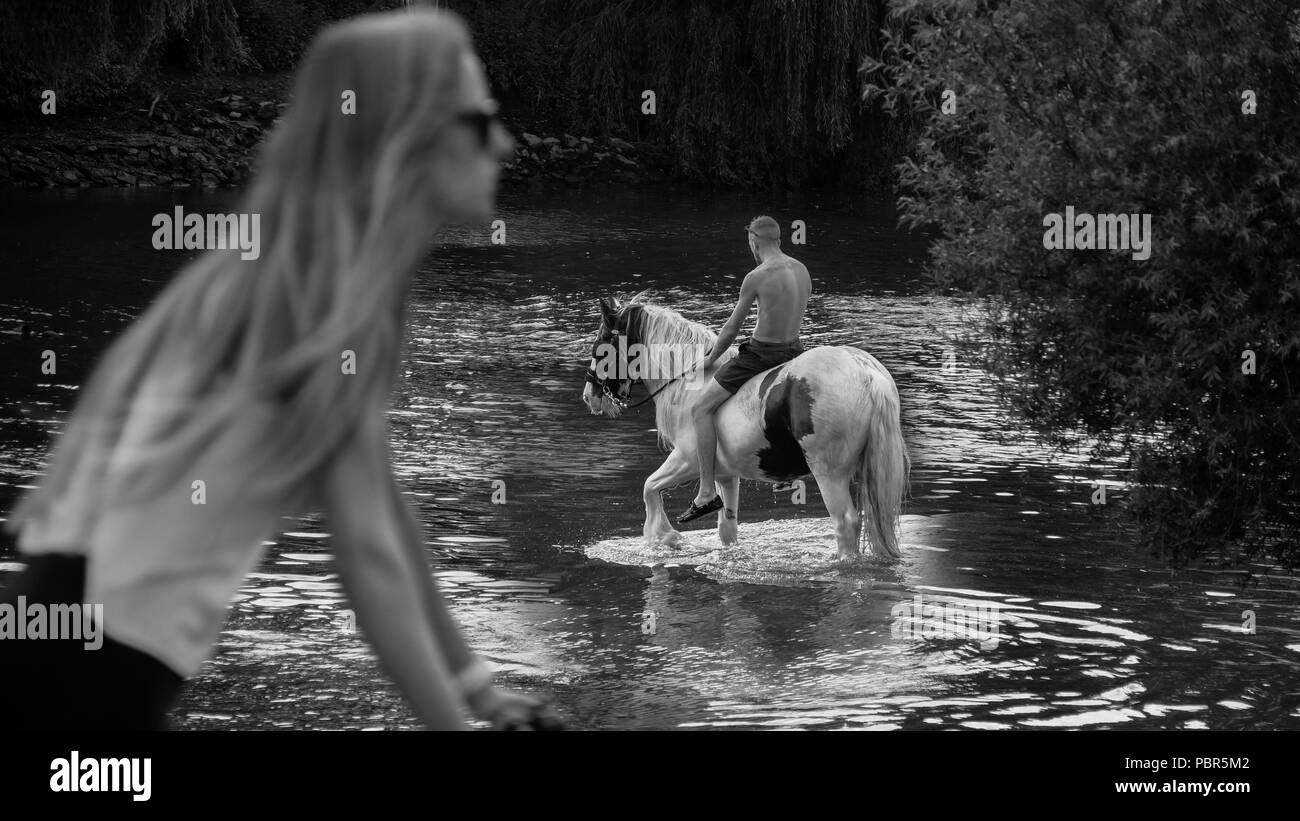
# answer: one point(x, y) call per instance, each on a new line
point(765, 228)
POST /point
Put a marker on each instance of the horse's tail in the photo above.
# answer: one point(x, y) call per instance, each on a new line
point(883, 478)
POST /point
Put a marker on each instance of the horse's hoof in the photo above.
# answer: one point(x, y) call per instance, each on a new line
point(671, 539)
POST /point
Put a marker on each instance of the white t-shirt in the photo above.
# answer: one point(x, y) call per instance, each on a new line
point(165, 570)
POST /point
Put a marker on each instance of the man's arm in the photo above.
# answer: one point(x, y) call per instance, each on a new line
point(748, 293)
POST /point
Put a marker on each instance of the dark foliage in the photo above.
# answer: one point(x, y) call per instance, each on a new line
point(763, 92)
point(1126, 106)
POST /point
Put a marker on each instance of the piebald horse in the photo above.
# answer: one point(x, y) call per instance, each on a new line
point(832, 412)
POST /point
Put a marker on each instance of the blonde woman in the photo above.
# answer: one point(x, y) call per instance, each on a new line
point(239, 377)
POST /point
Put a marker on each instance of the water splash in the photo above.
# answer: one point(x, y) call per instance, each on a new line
point(776, 552)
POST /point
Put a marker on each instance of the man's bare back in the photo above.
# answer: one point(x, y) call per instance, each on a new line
point(782, 285)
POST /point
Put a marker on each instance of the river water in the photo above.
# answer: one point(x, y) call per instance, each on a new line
point(1048, 617)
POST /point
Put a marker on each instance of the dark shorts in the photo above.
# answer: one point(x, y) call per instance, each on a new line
point(754, 358)
point(49, 685)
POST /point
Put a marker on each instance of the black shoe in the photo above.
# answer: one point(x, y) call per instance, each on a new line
point(693, 512)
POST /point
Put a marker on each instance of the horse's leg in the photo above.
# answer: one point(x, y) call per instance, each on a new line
point(838, 497)
point(677, 468)
point(729, 490)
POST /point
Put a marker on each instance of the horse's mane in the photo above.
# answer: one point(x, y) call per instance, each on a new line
point(671, 332)
point(664, 326)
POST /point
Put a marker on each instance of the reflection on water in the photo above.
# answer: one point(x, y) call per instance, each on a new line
point(554, 587)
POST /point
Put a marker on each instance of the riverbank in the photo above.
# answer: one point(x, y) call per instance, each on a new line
point(187, 132)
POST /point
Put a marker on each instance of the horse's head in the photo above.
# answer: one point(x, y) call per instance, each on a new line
point(608, 382)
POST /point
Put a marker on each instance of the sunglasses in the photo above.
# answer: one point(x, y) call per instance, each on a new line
point(481, 122)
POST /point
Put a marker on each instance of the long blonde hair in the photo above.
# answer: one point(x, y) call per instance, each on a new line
point(347, 215)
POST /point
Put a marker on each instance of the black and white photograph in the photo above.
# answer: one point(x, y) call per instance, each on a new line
point(655, 365)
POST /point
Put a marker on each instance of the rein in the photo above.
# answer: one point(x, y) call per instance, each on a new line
point(651, 396)
point(603, 384)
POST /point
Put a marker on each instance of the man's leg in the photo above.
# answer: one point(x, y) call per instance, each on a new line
point(706, 437)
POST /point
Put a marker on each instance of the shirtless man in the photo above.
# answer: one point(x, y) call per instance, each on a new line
point(781, 285)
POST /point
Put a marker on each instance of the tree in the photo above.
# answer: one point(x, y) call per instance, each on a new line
point(1125, 107)
point(745, 90)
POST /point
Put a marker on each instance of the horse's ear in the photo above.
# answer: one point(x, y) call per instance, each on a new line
point(607, 309)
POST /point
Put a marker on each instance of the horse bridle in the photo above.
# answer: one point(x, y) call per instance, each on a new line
point(611, 338)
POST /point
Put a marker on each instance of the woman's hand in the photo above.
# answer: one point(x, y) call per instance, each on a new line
point(508, 710)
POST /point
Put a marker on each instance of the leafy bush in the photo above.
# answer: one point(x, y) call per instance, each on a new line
point(1125, 106)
